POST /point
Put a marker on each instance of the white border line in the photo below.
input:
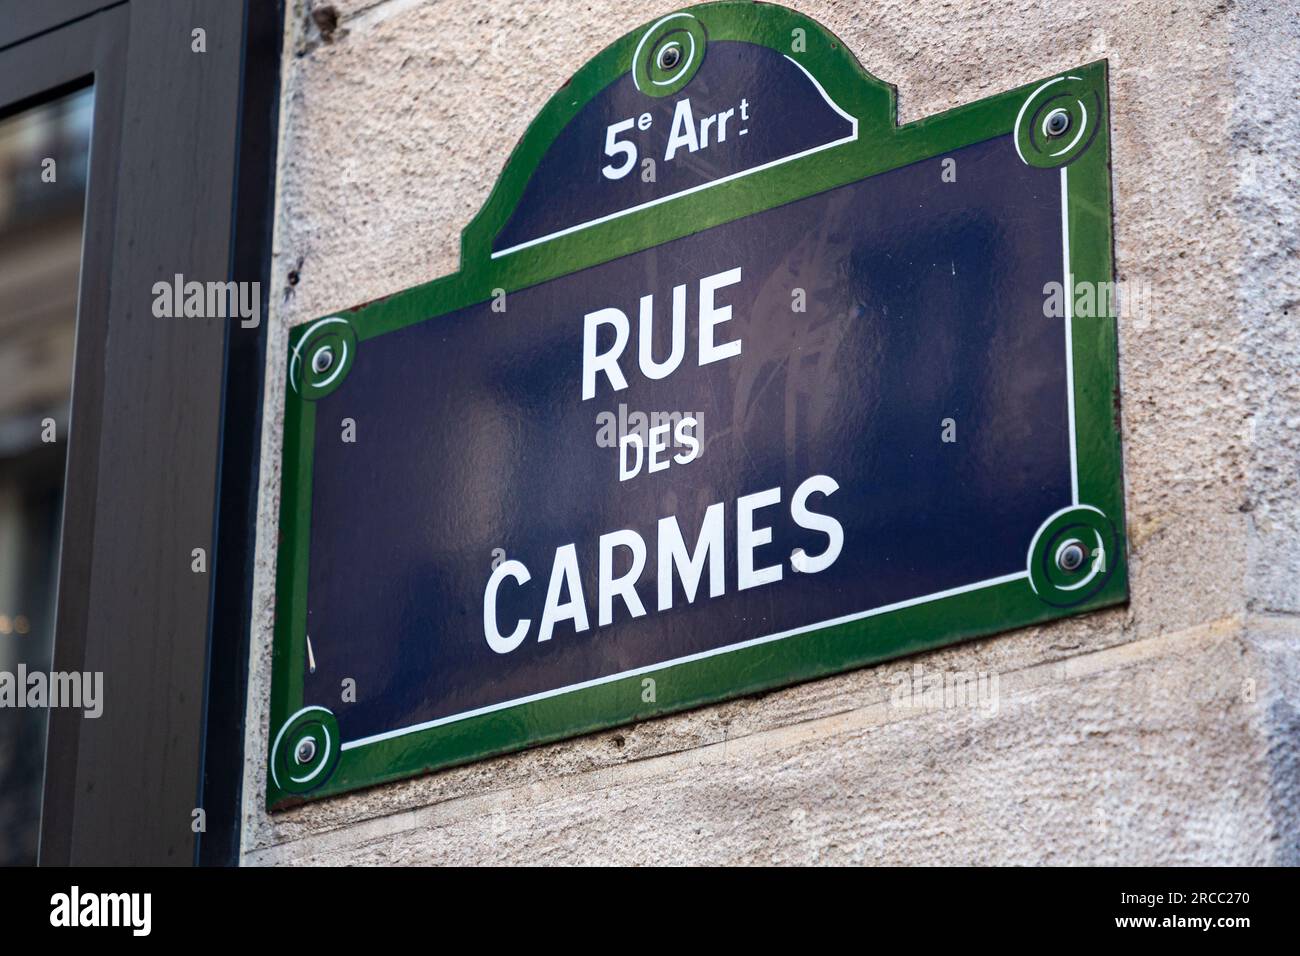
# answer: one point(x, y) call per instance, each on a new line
point(754, 642)
point(1069, 331)
point(899, 605)
point(702, 186)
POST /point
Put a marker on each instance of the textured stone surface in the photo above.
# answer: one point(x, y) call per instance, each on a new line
point(1161, 732)
point(1265, 129)
point(1110, 756)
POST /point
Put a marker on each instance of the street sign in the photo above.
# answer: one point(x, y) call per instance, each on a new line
point(740, 384)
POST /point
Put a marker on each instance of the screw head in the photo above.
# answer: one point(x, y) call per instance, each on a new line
point(1071, 555)
point(305, 750)
point(669, 56)
point(1057, 122)
point(322, 360)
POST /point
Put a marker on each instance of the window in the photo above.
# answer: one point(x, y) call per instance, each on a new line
point(44, 159)
point(163, 150)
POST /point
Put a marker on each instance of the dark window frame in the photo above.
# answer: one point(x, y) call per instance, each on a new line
point(165, 424)
point(32, 19)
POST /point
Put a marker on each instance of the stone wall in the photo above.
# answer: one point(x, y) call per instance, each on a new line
point(1165, 731)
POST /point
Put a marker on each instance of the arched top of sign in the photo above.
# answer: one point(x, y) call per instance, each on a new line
point(730, 117)
point(696, 100)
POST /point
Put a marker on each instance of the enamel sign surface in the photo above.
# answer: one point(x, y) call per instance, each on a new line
point(740, 384)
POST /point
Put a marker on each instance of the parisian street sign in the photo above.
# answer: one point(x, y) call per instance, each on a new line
point(740, 384)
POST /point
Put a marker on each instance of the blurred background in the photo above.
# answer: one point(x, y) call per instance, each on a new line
point(41, 216)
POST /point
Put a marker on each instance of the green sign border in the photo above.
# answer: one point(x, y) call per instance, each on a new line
point(306, 760)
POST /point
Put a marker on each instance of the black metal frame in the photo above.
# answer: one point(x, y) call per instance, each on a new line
point(164, 429)
point(223, 769)
point(21, 20)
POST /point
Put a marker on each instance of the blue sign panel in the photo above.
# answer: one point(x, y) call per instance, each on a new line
point(740, 384)
point(798, 367)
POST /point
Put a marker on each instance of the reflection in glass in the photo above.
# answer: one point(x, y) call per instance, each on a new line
point(44, 158)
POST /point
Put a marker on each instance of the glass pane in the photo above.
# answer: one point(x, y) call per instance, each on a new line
point(44, 159)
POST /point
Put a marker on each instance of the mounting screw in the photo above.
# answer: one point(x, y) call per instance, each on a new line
point(305, 751)
point(322, 360)
point(669, 56)
point(1071, 555)
point(1057, 122)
